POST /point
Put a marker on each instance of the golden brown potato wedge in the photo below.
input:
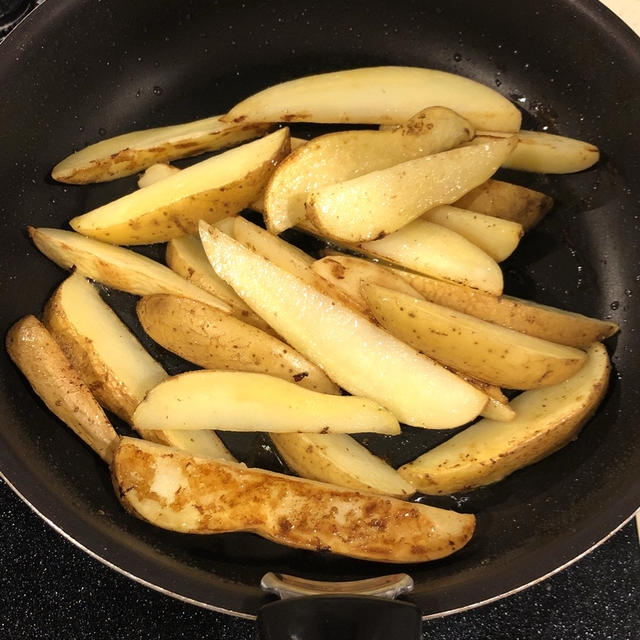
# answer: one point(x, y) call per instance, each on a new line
point(111, 361)
point(497, 237)
point(375, 204)
point(210, 190)
point(433, 250)
point(58, 384)
point(355, 353)
point(484, 350)
point(508, 201)
point(546, 420)
point(339, 459)
point(116, 267)
point(243, 401)
point(377, 95)
point(340, 156)
point(187, 258)
point(215, 340)
point(542, 152)
point(132, 152)
point(547, 323)
point(191, 495)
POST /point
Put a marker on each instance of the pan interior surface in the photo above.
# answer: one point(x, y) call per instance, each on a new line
point(77, 72)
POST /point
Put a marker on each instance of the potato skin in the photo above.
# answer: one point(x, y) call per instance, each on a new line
point(215, 340)
point(52, 377)
point(207, 496)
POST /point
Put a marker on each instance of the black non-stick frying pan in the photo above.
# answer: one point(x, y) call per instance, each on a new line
point(76, 71)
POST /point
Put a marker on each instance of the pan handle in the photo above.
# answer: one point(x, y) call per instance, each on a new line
point(357, 610)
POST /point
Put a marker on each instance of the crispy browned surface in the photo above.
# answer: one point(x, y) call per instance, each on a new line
point(508, 201)
point(206, 496)
point(45, 366)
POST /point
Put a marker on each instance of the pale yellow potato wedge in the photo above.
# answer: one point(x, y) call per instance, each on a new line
point(215, 340)
point(191, 495)
point(355, 353)
point(131, 152)
point(110, 359)
point(339, 459)
point(497, 407)
point(116, 267)
point(375, 204)
point(210, 190)
point(187, 258)
point(508, 201)
point(155, 173)
point(377, 95)
point(541, 321)
point(58, 384)
point(340, 156)
point(546, 420)
point(349, 272)
point(433, 250)
point(288, 257)
point(541, 152)
point(113, 363)
point(244, 401)
point(484, 350)
point(495, 236)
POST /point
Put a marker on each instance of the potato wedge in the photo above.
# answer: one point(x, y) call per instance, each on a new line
point(487, 351)
point(111, 361)
point(541, 321)
point(155, 173)
point(132, 152)
point(377, 95)
point(116, 267)
point(508, 201)
point(183, 493)
point(375, 204)
point(339, 459)
point(210, 190)
point(340, 156)
point(50, 374)
point(290, 258)
point(349, 272)
point(497, 407)
point(215, 340)
point(187, 258)
point(359, 356)
point(243, 401)
point(541, 152)
point(497, 237)
point(546, 420)
point(433, 250)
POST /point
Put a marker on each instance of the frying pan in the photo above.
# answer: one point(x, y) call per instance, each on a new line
point(76, 71)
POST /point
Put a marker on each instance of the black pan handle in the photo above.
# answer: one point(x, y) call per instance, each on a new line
point(356, 610)
point(339, 618)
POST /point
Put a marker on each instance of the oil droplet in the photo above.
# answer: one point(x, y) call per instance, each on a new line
point(157, 91)
point(628, 293)
point(614, 305)
point(457, 57)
